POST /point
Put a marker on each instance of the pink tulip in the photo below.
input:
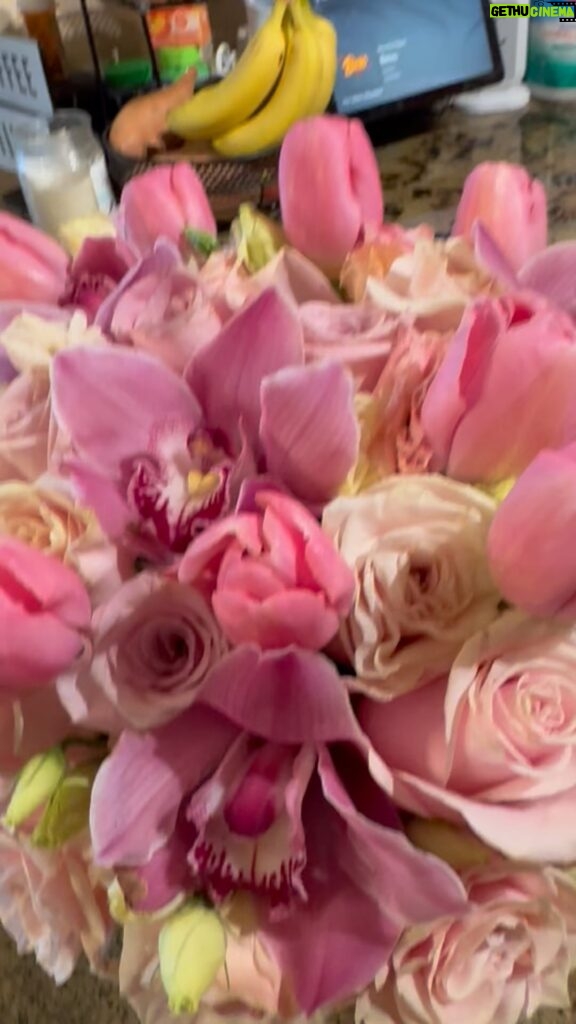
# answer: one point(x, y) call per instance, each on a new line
point(32, 266)
point(43, 610)
point(276, 579)
point(504, 391)
point(531, 541)
point(330, 191)
point(163, 203)
point(510, 204)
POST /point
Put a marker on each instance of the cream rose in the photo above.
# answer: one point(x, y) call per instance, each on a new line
point(26, 428)
point(48, 520)
point(31, 342)
point(417, 547)
point(511, 954)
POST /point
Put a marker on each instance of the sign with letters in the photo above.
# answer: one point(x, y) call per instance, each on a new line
point(24, 94)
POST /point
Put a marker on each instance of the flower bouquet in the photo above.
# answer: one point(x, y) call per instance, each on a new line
point(288, 599)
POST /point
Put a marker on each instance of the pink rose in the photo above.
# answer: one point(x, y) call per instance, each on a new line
point(330, 191)
point(509, 955)
point(273, 577)
point(416, 546)
point(392, 437)
point(161, 308)
point(53, 903)
point(359, 336)
point(249, 985)
point(153, 643)
point(510, 204)
point(431, 281)
point(492, 747)
point(44, 610)
point(504, 391)
point(375, 256)
point(26, 431)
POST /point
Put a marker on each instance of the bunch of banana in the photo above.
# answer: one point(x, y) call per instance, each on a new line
point(287, 72)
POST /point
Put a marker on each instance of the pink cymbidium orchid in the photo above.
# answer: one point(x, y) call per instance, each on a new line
point(271, 773)
point(159, 458)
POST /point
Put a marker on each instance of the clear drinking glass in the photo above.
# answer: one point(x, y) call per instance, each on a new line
point(61, 170)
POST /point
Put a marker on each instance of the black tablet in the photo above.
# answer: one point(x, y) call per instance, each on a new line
point(407, 53)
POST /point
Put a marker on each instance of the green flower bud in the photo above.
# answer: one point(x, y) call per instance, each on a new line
point(68, 810)
point(257, 238)
point(192, 949)
point(35, 785)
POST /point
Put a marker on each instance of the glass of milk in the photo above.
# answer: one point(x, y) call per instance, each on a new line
point(61, 170)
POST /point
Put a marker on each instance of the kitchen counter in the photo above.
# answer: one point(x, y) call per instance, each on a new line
point(423, 175)
point(422, 179)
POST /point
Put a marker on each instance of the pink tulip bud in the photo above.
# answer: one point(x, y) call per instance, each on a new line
point(164, 202)
point(531, 543)
point(33, 267)
point(510, 204)
point(330, 192)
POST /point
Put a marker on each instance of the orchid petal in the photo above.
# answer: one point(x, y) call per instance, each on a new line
point(140, 786)
point(288, 696)
point(309, 430)
point(108, 401)
point(227, 373)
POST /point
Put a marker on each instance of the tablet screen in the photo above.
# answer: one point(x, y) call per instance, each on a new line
point(395, 50)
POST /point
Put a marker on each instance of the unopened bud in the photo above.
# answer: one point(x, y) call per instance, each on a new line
point(35, 784)
point(192, 949)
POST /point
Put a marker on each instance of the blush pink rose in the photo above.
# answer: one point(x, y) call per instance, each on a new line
point(392, 436)
point(494, 746)
point(432, 283)
point(273, 577)
point(509, 955)
point(53, 903)
point(153, 643)
point(26, 430)
point(44, 610)
point(375, 256)
point(416, 546)
point(358, 335)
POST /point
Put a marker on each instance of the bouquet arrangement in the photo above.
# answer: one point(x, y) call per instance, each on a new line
point(288, 599)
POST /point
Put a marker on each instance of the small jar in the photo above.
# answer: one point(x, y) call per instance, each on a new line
point(41, 23)
point(62, 171)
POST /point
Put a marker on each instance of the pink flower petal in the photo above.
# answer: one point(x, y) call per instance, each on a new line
point(286, 696)
point(491, 257)
point(553, 274)
point(532, 557)
point(309, 430)
point(163, 258)
point(108, 400)
point(227, 374)
point(140, 786)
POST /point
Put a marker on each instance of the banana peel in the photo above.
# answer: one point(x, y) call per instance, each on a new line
point(256, 237)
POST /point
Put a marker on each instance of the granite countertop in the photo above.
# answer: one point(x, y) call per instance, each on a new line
point(422, 179)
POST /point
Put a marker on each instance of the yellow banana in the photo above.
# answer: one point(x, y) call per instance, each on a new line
point(290, 101)
point(218, 108)
point(327, 43)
